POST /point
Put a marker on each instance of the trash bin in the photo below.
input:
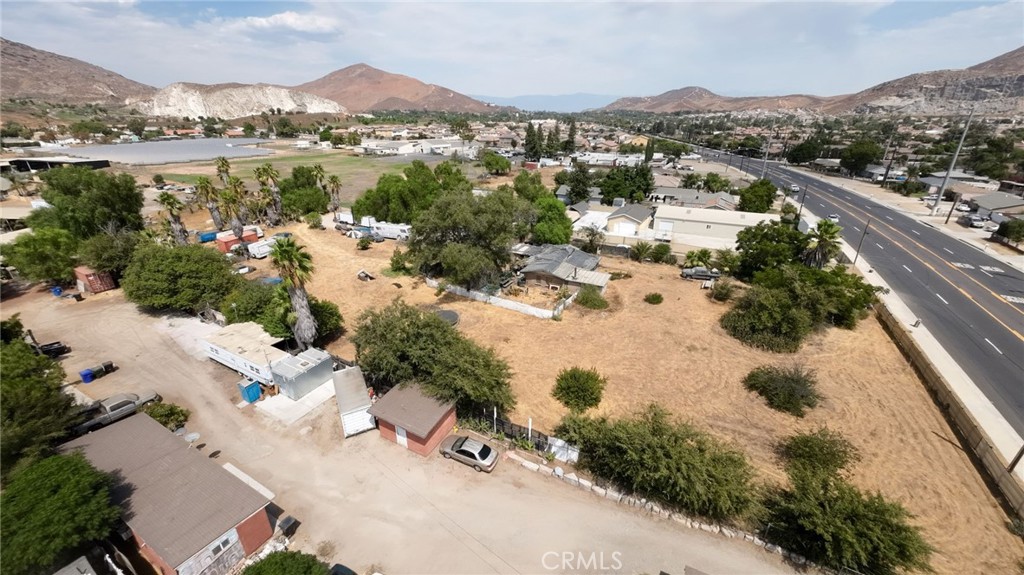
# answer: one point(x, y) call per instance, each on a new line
point(108, 367)
point(288, 525)
point(57, 291)
point(86, 375)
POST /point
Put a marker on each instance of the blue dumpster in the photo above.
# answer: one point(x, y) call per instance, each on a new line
point(57, 291)
point(250, 391)
point(207, 237)
point(86, 375)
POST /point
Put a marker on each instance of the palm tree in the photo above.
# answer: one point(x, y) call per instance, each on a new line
point(174, 206)
point(641, 251)
point(319, 174)
point(268, 177)
point(231, 204)
point(295, 266)
point(698, 258)
point(691, 181)
point(334, 187)
point(223, 169)
point(823, 245)
point(237, 187)
point(209, 195)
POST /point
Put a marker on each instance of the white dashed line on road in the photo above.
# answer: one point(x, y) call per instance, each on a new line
point(856, 228)
point(942, 298)
point(908, 269)
point(916, 232)
point(1012, 298)
point(888, 218)
point(948, 250)
point(994, 346)
point(988, 274)
point(822, 205)
point(879, 246)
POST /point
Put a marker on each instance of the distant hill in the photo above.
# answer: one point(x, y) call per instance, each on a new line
point(362, 88)
point(231, 101)
point(564, 103)
point(27, 72)
point(992, 87)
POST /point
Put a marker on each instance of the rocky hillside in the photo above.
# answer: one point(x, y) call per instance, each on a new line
point(232, 101)
point(26, 72)
point(992, 87)
point(362, 88)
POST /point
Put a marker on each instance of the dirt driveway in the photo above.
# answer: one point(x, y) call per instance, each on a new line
point(376, 503)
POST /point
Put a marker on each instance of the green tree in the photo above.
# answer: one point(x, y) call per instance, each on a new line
point(87, 201)
point(641, 251)
point(533, 146)
point(528, 186)
point(269, 178)
point(823, 244)
point(46, 254)
point(248, 129)
point(326, 135)
point(579, 389)
point(649, 150)
point(580, 181)
point(495, 164)
point(401, 345)
point(1012, 230)
point(34, 412)
point(832, 523)
point(180, 278)
point(804, 152)
point(295, 265)
point(663, 460)
point(402, 199)
point(174, 206)
point(210, 197)
point(553, 226)
point(287, 563)
point(691, 181)
point(758, 197)
point(334, 189)
point(109, 251)
point(593, 238)
point(768, 245)
point(569, 145)
point(51, 507)
point(768, 319)
point(716, 183)
point(223, 166)
point(662, 254)
point(633, 183)
point(727, 261)
point(137, 126)
point(856, 157)
point(698, 258)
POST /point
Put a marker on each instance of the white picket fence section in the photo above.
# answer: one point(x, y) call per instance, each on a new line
point(505, 303)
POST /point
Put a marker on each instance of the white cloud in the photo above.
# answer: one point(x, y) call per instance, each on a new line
point(733, 48)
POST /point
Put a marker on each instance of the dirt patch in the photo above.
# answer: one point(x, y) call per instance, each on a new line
point(675, 354)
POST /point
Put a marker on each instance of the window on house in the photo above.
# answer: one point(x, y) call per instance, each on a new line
point(709, 226)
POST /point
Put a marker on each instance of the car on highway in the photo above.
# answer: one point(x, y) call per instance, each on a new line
point(474, 453)
point(794, 188)
point(834, 218)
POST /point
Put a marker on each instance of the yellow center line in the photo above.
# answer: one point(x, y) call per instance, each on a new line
point(937, 272)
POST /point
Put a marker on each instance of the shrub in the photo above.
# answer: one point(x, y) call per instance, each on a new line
point(579, 389)
point(660, 252)
point(722, 290)
point(167, 414)
point(180, 278)
point(822, 450)
point(654, 298)
point(620, 276)
point(287, 563)
point(399, 261)
point(670, 259)
point(768, 319)
point(158, 179)
point(665, 461)
point(590, 297)
point(314, 220)
point(641, 251)
point(364, 243)
point(788, 389)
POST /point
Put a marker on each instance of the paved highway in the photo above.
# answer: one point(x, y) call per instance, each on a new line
point(971, 302)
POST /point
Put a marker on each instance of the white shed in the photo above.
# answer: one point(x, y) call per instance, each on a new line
point(353, 401)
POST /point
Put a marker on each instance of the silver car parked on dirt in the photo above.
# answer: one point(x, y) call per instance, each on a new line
point(472, 452)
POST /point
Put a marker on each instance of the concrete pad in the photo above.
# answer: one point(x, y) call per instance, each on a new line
point(288, 411)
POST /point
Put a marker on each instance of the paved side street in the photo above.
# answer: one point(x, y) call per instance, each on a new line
point(379, 505)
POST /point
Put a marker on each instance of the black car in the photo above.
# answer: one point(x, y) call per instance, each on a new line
point(53, 350)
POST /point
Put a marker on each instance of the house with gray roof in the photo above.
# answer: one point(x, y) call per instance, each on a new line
point(628, 219)
point(557, 266)
point(187, 515)
point(562, 193)
point(998, 202)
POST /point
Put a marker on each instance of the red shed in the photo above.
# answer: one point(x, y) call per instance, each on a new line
point(89, 280)
point(228, 240)
point(413, 420)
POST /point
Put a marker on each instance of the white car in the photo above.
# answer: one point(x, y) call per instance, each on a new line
point(794, 188)
point(963, 208)
point(834, 218)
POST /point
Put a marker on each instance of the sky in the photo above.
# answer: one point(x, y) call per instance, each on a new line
point(732, 48)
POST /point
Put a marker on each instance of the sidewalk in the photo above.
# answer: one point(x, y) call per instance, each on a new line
point(915, 208)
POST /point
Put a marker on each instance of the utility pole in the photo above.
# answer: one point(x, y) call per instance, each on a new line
point(767, 146)
point(861, 242)
point(885, 178)
point(956, 201)
point(803, 198)
point(952, 164)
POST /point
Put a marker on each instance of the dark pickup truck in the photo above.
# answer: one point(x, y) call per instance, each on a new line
point(52, 350)
point(113, 408)
point(700, 273)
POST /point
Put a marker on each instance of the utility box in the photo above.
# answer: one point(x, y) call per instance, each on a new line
point(92, 281)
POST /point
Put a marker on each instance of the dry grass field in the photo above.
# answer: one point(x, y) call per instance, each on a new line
point(676, 355)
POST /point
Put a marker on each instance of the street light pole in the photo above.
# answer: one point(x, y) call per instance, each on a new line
point(952, 164)
point(803, 197)
point(861, 242)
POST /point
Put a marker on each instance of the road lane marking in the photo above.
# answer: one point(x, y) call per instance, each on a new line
point(916, 232)
point(822, 205)
point(908, 269)
point(879, 246)
point(992, 269)
point(963, 265)
point(890, 219)
point(856, 228)
point(942, 298)
point(1012, 298)
point(988, 274)
point(994, 346)
point(948, 250)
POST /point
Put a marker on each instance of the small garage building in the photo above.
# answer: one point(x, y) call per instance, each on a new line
point(413, 420)
point(354, 401)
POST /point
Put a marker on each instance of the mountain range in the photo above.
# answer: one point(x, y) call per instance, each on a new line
point(992, 87)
